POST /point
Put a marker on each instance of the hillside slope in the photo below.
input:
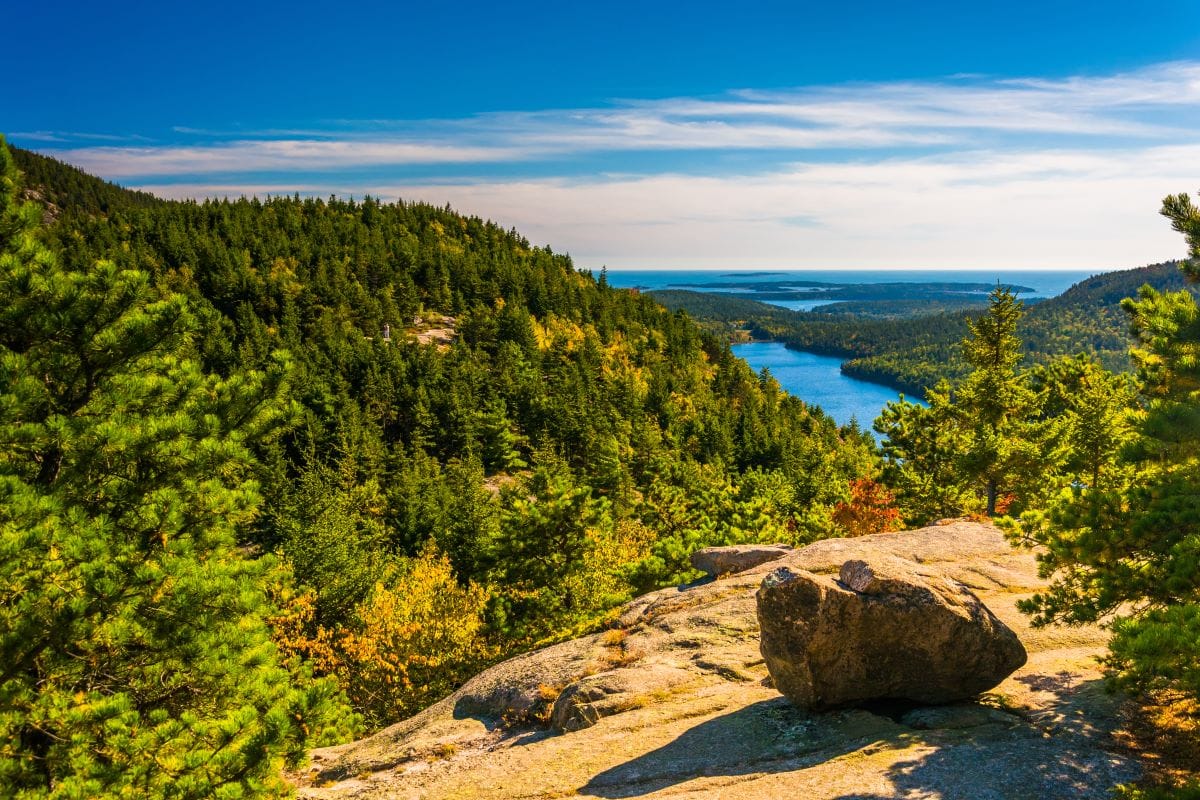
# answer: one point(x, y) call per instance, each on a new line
point(483, 438)
point(60, 186)
point(675, 702)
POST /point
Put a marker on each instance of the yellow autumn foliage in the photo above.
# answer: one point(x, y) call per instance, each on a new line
point(555, 333)
point(416, 638)
point(600, 586)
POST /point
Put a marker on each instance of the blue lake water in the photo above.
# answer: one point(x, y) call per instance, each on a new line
point(800, 305)
point(819, 380)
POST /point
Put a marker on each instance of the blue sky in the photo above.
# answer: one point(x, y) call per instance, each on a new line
point(654, 135)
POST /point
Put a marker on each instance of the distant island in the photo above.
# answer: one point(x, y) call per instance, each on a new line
point(932, 295)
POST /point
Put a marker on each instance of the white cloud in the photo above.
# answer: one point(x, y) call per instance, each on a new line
point(269, 155)
point(947, 114)
point(65, 137)
point(1082, 208)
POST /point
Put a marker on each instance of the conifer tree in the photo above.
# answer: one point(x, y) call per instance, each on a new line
point(1094, 406)
point(1130, 546)
point(547, 531)
point(980, 442)
point(921, 449)
point(134, 656)
point(1004, 444)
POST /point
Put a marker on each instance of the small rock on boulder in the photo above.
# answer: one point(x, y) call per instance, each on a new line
point(717, 561)
point(886, 629)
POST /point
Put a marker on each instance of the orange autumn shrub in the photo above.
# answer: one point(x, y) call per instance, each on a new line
point(871, 509)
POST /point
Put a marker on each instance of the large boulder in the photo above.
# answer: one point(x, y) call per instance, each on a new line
point(730, 560)
point(886, 628)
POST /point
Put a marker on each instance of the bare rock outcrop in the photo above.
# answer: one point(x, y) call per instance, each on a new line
point(675, 702)
point(718, 561)
point(588, 700)
point(884, 629)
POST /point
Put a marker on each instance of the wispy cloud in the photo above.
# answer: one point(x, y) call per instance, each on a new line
point(273, 155)
point(945, 114)
point(966, 171)
point(65, 137)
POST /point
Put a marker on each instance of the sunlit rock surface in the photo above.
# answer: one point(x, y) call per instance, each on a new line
point(677, 703)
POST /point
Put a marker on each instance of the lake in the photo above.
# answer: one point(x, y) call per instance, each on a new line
point(819, 380)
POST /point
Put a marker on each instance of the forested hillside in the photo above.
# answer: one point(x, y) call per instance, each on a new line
point(913, 353)
point(476, 447)
point(56, 185)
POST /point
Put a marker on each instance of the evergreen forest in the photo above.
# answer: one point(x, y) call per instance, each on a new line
point(269, 462)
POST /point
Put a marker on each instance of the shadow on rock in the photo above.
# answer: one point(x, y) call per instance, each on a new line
point(965, 750)
point(1063, 751)
point(982, 772)
point(768, 736)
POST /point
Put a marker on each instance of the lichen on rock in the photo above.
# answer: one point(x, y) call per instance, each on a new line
point(884, 629)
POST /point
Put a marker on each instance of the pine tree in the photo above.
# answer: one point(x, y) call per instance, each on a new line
point(1130, 546)
point(547, 531)
point(985, 442)
point(500, 445)
point(1094, 406)
point(921, 450)
point(134, 656)
point(1004, 443)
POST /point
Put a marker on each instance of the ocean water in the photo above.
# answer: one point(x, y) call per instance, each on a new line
point(1044, 283)
point(818, 379)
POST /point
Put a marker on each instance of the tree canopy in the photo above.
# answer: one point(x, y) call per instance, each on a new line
point(136, 657)
point(436, 443)
point(1125, 546)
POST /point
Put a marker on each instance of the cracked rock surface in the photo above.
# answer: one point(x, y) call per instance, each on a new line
point(677, 702)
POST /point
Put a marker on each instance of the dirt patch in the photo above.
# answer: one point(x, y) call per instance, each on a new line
point(437, 330)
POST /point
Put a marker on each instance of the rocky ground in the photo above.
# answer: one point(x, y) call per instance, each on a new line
point(676, 702)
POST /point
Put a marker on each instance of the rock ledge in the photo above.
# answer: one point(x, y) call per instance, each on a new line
point(678, 704)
